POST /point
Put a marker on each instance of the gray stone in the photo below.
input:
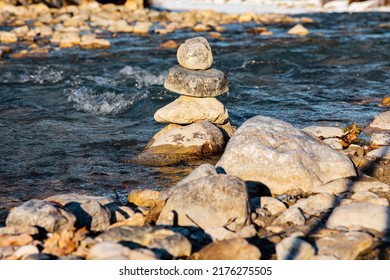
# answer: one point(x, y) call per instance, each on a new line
point(208, 83)
point(324, 132)
point(344, 246)
point(380, 139)
point(90, 214)
point(186, 110)
point(197, 140)
point(281, 157)
point(381, 153)
point(292, 216)
point(316, 204)
point(213, 201)
point(195, 54)
point(360, 215)
point(380, 123)
point(155, 238)
point(273, 205)
point(231, 249)
point(294, 248)
point(42, 214)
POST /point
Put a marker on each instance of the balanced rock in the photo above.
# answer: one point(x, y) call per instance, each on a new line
point(207, 83)
point(42, 214)
point(212, 201)
point(283, 158)
point(186, 110)
point(195, 54)
point(176, 143)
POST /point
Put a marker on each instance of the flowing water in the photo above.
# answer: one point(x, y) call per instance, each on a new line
point(71, 122)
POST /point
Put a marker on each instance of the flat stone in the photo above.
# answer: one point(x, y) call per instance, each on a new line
point(324, 132)
point(187, 110)
point(316, 204)
point(292, 216)
point(207, 83)
point(232, 249)
point(212, 201)
point(344, 246)
point(26, 250)
point(360, 215)
point(195, 54)
point(380, 139)
point(64, 199)
point(380, 123)
point(194, 141)
point(273, 205)
point(281, 157)
point(381, 153)
point(294, 248)
point(42, 214)
point(154, 238)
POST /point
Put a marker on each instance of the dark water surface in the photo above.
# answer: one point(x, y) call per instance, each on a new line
point(71, 122)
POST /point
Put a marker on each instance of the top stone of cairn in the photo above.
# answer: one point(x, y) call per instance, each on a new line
point(195, 54)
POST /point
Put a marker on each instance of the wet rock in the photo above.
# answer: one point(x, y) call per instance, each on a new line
point(294, 248)
point(232, 249)
point(344, 246)
point(298, 29)
point(146, 198)
point(42, 214)
point(324, 132)
point(381, 153)
point(281, 157)
point(380, 123)
point(195, 53)
point(155, 238)
point(360, 215)
point(207, 83)
point(197, 140)
point(292, 216)
point(24, 251)
point(213, 201)
point(380, 139)
point(273, 205)
point(186, 110)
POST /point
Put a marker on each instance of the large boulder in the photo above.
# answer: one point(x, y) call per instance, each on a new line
point(212, 201)
point(41, 214)
point(186, 110)
point(207, 83)
point(283, 158)
point(176, 143)
point(195, 54)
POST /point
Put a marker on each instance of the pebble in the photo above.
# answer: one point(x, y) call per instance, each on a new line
point(207, 83)
point(294, 248)
point(298, 29)
point(195, 54)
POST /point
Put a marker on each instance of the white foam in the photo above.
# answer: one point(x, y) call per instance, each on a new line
point(143, 77)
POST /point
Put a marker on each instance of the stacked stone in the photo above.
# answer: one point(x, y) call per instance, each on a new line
point(198, 122)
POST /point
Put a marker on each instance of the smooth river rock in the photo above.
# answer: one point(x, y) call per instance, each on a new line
point(195, 54)
point(212, 201)
point(42, 214)
point(360, 215)
point(186, 110)
point(281, 157)
point(207, 83)
point(176, 143)
point(155, 238)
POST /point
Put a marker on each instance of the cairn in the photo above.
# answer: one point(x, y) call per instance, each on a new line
point(198, 124)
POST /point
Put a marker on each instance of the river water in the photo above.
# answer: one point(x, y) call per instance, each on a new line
point(71, 122)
